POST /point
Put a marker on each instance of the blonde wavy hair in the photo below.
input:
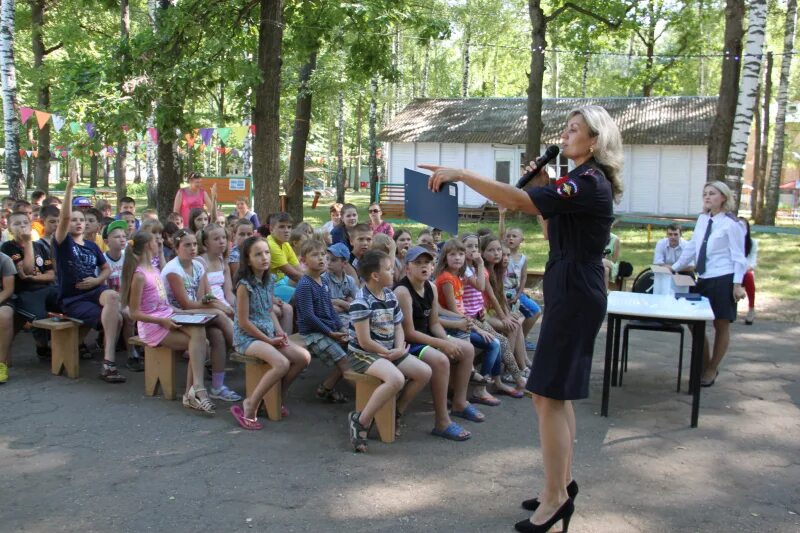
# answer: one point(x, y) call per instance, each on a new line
point(729, 203)
point(608, 148)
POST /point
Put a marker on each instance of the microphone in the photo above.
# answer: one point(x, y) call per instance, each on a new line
point(548, 155)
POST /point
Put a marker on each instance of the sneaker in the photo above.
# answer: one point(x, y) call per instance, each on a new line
point(44, 352)
point(135, 364)
point(3, 373)
point(751, 315)
point(530, 346)
point(507, 378)
point(225, 394)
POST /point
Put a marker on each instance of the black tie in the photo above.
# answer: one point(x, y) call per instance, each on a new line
point(701, 258)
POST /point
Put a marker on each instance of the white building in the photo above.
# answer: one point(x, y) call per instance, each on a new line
point(664, 138)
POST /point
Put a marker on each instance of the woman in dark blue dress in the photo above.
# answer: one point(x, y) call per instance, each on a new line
point(578, 209)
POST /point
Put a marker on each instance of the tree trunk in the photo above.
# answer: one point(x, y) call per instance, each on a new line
point(751, 72)
point(398, 65)
point(466, 62)
point(340, 178)
point(13, 161)
point(302, 127)
point(120, 166)
point(585, 73)
point(106, 172)
point(423, 90)
point(773, 191)
point(93, 171)
point(536, 79)
point(137, 167)
point(373, 140)
point(359, 127)
point(754, 193)
point(266, 117)
point(42, 169)
point(719, 139)
point(758, 215)
point(168, 178)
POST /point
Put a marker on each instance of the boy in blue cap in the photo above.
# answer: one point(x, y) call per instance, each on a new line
point(342, 286)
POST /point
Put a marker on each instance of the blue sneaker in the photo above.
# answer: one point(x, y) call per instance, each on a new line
point(530, 346)
point(225, 394)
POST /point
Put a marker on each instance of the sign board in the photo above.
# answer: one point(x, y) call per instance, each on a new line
point(436, 209)
point(229, 189)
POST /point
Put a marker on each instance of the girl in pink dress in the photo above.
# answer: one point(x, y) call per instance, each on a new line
point(144, 293)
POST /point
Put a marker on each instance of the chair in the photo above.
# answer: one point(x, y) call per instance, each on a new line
point(643, 283)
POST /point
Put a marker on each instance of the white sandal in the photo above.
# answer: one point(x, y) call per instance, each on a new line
point(191, 400)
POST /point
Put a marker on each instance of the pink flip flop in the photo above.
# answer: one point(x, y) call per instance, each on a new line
point(251, 424)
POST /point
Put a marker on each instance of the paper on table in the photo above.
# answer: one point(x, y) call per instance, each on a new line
point(191, 318)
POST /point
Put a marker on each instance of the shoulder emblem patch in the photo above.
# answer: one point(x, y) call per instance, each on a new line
point(567, 189)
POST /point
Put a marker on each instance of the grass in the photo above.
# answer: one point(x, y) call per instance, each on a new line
point(777, 273)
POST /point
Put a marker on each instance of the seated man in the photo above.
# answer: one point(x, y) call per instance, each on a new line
point(83, 292)
point(669, 249)
point(7, 272)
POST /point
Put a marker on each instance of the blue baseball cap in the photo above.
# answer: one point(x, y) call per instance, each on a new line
point(416, 251)
point(340, 250)
point(81, 201)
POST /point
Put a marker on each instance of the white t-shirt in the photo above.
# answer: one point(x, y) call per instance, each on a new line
point(114, 280)
point(190, 283)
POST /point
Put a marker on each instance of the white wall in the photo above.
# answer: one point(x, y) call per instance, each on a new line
point(663, 180)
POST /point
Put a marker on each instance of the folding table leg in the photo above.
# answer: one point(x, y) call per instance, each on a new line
point(698, 333)
point(607, 366)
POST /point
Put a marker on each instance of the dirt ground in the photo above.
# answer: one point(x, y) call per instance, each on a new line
point(82, 455)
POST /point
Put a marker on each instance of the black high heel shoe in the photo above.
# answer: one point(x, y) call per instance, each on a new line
point(564, 513)
point(533, 503)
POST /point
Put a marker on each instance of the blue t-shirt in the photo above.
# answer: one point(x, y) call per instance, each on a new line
point(74, 263)
point(383, 316)
point(315, 313)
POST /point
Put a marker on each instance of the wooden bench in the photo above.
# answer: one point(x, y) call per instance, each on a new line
point(533, 278)
point(64, 342)
point(159, 369)
point(254, 370)
point(393, 200)
point(385, 417)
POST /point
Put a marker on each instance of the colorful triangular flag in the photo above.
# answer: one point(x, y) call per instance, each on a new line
point(153, 134)
point(125, 128)
point(189, 140)
point(253, 129)
point(90, 130)
point(25, 113)
point(223, 134)
point(238, 133)
point(28, 152)
point(74, 127)
point(42, 117)
point(205, 134)
point(58, 122)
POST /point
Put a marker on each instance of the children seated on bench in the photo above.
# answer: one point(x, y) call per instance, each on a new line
point(7, 272)
point(144, 294)
point(317, 321)
point(83, 293)
point(433, 346)
point(35, 286)
point(115, 238)
point(284, 264)
point(377, 345)
point(258, 333)
point(187, 288)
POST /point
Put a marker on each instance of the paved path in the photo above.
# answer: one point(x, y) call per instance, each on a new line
point(82, 455)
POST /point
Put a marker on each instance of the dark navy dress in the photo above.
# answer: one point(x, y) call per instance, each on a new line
point(579, 210)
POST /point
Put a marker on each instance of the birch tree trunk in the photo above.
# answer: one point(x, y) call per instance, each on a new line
point(340, 179)
point(466, 62)
point(120, 166)
point(359, 127)
point(719, 139)
point(150, 146)
point(751, 72)
point(423, 90)
point(42, 168)
point(773, 191)
point(8, 72)
point(758, 196)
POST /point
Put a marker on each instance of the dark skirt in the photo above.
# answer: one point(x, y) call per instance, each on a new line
point(575, 306)
point(719, 292)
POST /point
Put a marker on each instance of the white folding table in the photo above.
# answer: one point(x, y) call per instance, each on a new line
point(664, 308)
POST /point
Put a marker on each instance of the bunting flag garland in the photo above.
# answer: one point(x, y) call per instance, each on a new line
point(63, 153)
point(253, 129)
point(90, 130)
point(205, 134)
point(224, 134)
point(25, 113)
point(238, 133)
point(41, 118)
point(74, 127)
point(28, 152)
point(189, 140)
point(21, 152)
point(125, 128)
point(153, 134)
point(35, 153)
point(58, 122)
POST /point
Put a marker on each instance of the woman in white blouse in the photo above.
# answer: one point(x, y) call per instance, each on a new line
point(717, 249)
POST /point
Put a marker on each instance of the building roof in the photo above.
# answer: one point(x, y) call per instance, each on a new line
point(674, 120)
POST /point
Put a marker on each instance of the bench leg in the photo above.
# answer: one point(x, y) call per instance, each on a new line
point(64, 343)
point(385, 417)
point(159, 368)
point(272, 399)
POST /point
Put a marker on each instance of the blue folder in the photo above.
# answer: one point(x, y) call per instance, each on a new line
point(436, 209)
